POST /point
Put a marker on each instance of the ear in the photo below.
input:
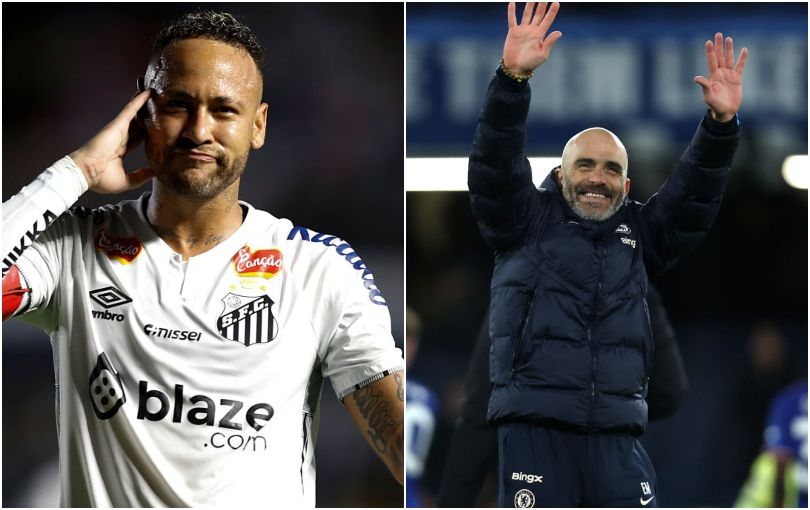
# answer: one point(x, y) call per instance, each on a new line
point(626, 185)
point(259, 127)
point(558, 175)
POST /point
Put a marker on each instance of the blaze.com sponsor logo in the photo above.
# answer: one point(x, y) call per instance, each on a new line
point(238, 427)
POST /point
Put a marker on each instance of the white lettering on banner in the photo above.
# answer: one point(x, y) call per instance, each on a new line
point(596, 78)
point(772, 81)
point(776, 80)
point(415, 82)
point(670, 96)
point(468, 68)
point(590, 79)
point(607, 77)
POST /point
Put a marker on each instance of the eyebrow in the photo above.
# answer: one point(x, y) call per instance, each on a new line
point(591, 161)
point(216, 99)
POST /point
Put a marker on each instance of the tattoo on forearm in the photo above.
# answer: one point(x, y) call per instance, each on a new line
point(400, 387)
point(375, 410)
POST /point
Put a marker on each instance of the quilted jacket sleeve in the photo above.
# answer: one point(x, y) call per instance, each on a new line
point(499, 176)
point(677, 217)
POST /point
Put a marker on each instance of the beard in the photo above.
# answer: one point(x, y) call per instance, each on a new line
point(570, 193)
point(177, 175)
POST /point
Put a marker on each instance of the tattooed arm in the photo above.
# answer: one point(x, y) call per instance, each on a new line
point(378, 411)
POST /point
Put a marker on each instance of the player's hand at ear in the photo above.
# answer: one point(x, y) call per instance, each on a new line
point(102, 157)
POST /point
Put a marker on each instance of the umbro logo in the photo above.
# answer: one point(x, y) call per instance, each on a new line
point(109, 297)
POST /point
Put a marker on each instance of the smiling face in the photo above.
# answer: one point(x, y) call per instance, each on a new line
point(593, 176)
point(204, 116)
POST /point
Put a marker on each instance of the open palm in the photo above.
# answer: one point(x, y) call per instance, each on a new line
point(526, 45)
point(722, 91)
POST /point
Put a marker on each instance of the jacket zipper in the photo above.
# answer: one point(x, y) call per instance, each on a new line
point(523, 325)
point(592, 401)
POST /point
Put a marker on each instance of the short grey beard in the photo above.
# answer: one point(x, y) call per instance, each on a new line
point(587, 214)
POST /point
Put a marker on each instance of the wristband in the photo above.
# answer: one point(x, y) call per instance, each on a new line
point(520, 78)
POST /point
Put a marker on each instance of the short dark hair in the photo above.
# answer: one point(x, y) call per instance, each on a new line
point(218, 26)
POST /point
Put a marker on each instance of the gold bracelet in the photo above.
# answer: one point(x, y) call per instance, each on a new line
point(520, 78)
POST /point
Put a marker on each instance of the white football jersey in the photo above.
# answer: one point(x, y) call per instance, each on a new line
point(191, 383)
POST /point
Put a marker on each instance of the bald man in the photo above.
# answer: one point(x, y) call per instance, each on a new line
point(571, 342)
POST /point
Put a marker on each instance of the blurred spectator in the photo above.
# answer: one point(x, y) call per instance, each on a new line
point(765, 372)
point(778, 476)
point(420, 420)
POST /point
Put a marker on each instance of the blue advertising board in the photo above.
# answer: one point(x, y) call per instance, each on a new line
point(626, 67)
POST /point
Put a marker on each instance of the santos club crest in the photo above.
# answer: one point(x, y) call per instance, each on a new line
point(247, 319)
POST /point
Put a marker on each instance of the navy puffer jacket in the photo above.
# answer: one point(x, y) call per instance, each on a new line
point(570, 328)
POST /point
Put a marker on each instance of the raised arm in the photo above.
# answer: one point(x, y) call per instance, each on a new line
point(378, 412)
point(98, 165)
point(101, 159)
point(683, 210)
point(500, 177)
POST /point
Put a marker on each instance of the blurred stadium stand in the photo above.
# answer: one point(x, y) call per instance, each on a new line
point(738, 303)
point(332, 162)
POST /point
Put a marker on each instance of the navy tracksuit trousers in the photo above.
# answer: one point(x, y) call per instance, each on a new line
point(545, 467)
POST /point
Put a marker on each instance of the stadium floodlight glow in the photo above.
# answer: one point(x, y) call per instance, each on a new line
point(795, 171)
point(450, 174)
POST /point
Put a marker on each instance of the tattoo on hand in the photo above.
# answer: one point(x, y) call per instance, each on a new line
point(375, 410)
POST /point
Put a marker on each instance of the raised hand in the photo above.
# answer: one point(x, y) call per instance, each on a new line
point(526, 45)
point(723, 90)
point(102, 158)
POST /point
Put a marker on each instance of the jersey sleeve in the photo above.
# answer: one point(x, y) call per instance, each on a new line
point(33, 240)
point(783, 410)
point(358, 347)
